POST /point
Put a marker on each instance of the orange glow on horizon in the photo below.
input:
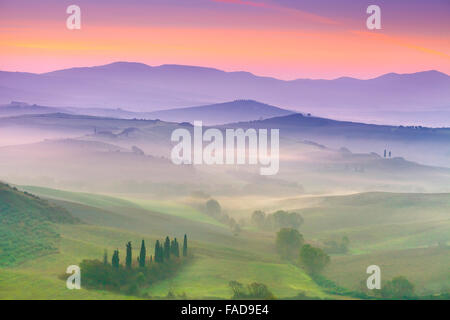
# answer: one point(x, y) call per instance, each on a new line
point(281, 53)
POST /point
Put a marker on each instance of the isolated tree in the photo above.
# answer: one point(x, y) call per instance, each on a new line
point(185, 246)
point(398, 288)
point(167, 248)
point(314, 260)
point(345, 244)
point(105, 257)
point(142, 255)
point(238, 290)
point(213, 208)
point(385, 153)
point(258, 218)
point(115, 261)
point(128, 258)
point(288, 243)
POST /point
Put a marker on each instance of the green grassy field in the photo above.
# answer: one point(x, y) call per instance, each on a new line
point(178, 210)
point(394, 231)
point(400, 233)
point(206, 276)
point(426, 268)
point(219, 257)
point(26, 228)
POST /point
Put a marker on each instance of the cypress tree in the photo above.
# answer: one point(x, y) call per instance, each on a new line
point(161, 253)
point(172, 247)
point(105, 258)
point(115, 259)
point(185, 246)
point(176, 250)
point(157, 252)
point(151, 260)
point(142, 255)
point(128, 259)
point(167, 249)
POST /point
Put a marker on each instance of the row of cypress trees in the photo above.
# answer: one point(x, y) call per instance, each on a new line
point(163, 252)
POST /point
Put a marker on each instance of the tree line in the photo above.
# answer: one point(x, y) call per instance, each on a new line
point(163, 252)
point(276, 220)
point(133, 278)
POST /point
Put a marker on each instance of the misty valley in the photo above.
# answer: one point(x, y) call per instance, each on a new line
point(158, 195)
point(103, 193)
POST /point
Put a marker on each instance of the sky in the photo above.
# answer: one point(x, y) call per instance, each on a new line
point(286, 39)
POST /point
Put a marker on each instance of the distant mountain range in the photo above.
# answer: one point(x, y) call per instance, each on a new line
point(417, 98)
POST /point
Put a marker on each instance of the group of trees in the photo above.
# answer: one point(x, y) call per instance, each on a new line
point(254, 290)
point(385, 153)
point(214, 210)
point(163, 252)
point(398, 288)
point(277, 220)
point(129, 278)
point(168, 249)
point(333, 246)
point(291, 245)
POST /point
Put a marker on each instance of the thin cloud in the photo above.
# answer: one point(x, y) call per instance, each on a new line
point(402, 43)
point(301, 14)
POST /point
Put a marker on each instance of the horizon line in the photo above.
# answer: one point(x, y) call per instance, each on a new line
point(225, 71)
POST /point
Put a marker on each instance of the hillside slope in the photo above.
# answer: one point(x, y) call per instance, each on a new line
point(221, 113)
point(26, 228)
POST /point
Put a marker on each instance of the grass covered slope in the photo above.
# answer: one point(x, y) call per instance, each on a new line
point(27, 226)
point(219, 256)
point(398, 232)
point(380, 220)
point(206, 276)
point(404, 234)
point(426, 268)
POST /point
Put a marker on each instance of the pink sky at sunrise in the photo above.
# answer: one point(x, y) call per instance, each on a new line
point(283, 39)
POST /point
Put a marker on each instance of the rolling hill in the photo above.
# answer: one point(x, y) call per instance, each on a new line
point(399, 232)
point(403, 233)
point(128, 155)
point(27, 227)
point(219, 255)
point(425, 145)
point(221, 113)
